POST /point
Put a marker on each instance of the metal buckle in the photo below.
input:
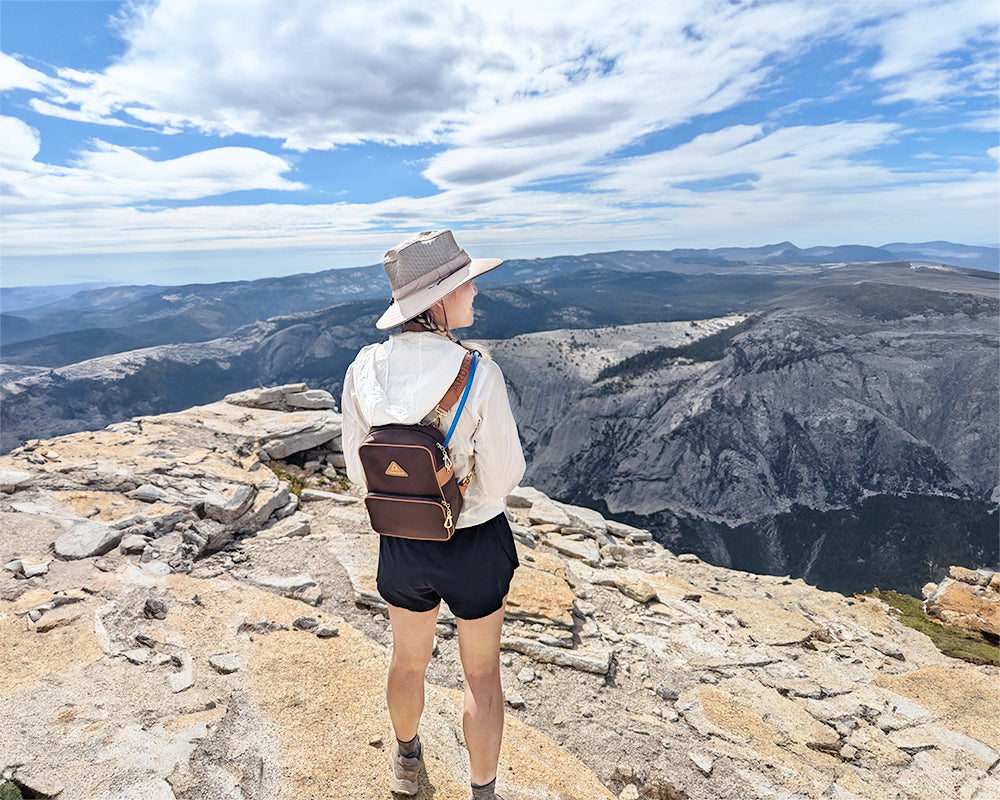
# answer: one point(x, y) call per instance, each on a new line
point(444, 454)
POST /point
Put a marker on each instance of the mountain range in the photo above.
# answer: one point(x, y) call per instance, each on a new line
point(831, 421)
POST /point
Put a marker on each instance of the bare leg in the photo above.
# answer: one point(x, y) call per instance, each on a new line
point(412, 644)
point(482, 722)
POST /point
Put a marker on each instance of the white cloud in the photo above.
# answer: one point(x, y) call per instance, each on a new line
point(18, 141)
point(513, 95)
point(110, 175)
point(921, 47)
point(16, 75)
point(798, 161)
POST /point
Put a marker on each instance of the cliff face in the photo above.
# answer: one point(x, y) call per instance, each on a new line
point(831, 405)
point(173, 626)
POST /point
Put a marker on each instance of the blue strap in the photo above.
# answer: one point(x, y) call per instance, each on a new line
point(465, 394)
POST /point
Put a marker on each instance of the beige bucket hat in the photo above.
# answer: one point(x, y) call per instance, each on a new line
point(426, 268)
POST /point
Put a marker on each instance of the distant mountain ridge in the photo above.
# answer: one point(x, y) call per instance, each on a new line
point(117, 319)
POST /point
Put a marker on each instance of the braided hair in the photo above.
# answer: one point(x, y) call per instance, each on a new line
point(429, 322)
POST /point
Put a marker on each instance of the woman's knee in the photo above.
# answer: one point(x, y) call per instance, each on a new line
point(410, 662)
point(482, 676)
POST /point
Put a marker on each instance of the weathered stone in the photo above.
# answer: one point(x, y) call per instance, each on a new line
point(525, 497)
point(59, 618)
point(87, 539)
point(546, 512)
point(272, 397)
point(768, 623)
point(596, 661)
point(148, 493)
point(34, 569)
point(228, 504)
point(623, 531)
point(526, 675)
point(312, 495)
point(538, 596)
point(133, 543)
point(586, 551)
point(207, 535)
point(225, 663)
point(312, 399)
point(703, 761)
point(155, 608)
point(327, 631)
point(300, 587)
point(585, 518)
point(183, 680)
point(296, 525)
point(965, 605)
point(138, 656)
point(288, 509)
point(973, 577)
point(298, 431)
point(305, 623)
point(630, 583)
point(11, 479)
point(629, 792)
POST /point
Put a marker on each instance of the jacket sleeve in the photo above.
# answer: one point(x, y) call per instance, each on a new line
point(355, 428)
point(499, 459)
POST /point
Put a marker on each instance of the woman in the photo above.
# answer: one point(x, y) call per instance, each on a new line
point(401, 381)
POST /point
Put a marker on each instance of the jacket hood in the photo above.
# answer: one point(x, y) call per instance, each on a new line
point(413, 369)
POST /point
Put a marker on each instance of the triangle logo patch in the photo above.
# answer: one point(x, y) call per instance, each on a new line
point(396, 471)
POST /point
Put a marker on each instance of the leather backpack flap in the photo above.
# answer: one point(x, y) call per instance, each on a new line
point(405, 460)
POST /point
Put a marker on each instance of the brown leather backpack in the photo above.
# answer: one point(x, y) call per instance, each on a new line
point(412, 489)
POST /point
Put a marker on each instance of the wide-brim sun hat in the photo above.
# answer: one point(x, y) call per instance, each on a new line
point(424, 269)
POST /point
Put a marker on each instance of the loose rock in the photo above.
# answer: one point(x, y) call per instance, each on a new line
point(226, 663)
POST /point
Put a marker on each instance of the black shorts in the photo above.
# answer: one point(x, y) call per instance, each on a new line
point(471, 571)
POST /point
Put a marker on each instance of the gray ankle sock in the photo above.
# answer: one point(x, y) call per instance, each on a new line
point(410, 749)
point(484, 792)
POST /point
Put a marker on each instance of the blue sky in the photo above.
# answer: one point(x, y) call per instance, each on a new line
point(204, 140)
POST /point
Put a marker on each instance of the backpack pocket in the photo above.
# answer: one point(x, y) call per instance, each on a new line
point(429, 518)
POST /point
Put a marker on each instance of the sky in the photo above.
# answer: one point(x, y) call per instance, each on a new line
point(206, 140)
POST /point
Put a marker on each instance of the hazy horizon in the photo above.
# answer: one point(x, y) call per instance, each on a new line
point(267, 260)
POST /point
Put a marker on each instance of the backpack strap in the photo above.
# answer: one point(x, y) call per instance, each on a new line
point(465, 395)
point(454, 391)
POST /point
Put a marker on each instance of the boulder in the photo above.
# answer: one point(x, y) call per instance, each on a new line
point(525, 496)
point(228, 503)
point(87, 539)
point(311, 399)
point(546, 512)
point(297, 431)
point(965, 605)
point(11, 479)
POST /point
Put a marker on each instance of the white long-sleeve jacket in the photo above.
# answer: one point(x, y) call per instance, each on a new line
point(402, 379)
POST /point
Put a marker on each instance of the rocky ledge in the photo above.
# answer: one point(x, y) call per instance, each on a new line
point(177, 624)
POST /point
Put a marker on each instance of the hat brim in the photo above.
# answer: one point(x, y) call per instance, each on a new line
point(402, 310)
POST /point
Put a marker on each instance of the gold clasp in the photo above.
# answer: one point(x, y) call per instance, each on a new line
point(447, 515)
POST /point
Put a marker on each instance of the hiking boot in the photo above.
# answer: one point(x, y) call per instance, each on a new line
point(405, 771)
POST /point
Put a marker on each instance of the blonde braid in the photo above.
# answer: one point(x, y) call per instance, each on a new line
point(430, 323)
